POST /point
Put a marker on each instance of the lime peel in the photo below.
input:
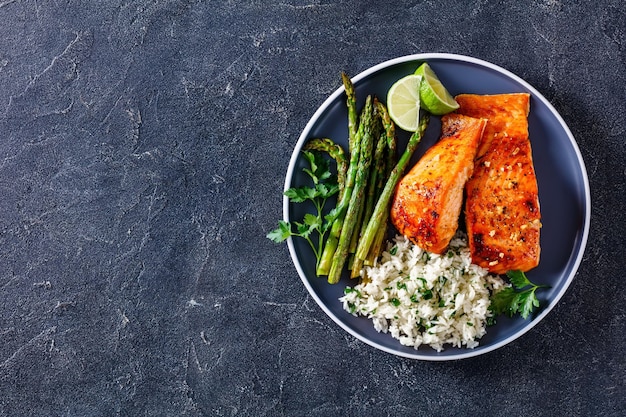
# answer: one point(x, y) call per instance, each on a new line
point(434, 96)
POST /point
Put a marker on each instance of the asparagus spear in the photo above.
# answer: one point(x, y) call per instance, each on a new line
point(374, 189)
point(378, 176)
point(357, 227)
point(390, 132)
point(336, 152)
point(353, 121)
point(338, 214)
point(377, 243)
point(382, 206)
point(357, 196)
point(371, 196)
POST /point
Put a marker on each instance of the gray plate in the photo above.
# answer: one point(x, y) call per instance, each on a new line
point(563, 194)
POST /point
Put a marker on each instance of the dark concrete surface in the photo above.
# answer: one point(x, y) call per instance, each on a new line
point(143, 149)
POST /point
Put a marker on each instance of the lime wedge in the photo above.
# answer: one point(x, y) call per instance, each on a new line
point(435, 98)
point(403, 102)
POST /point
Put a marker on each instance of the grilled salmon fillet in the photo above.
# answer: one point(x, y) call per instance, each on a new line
point(428, 199)
point(502, 206)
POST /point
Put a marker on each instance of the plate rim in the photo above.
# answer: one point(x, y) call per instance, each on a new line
point(481, 350)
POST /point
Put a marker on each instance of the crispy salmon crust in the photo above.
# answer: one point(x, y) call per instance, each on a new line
point(428, 200)
point(502, 212)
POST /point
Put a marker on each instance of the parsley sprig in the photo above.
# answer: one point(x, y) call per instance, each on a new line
point(324, 186)
point(519, 298)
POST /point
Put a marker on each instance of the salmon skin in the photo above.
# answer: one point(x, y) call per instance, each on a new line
point(429, 198)
point(502, 212)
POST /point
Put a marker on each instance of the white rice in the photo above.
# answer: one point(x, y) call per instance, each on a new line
point(422, 298)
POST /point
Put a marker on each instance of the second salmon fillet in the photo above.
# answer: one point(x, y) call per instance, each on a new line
point(428, 200)
point(502, 208)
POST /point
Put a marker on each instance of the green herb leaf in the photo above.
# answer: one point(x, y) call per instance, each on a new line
point(318, 170)
point(311, 158)
point(519, 298)
point(281, 233)
point(332, 215)
point(502, 300)
point(325, 190)
point(325, 175)
point(312, 221)
point(518, 279)
point(324, 186)
point(303, 229)
point(300, 194)
point(527, 302)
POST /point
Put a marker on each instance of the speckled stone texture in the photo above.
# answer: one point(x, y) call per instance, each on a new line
point(143, 150)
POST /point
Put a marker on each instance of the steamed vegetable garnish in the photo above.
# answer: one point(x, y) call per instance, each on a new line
point(324, 187)
point(518, 298)
point(363, 147)
point(375, 185)
point(391, 160)
point(353, 116)
point(355, 130)
point(381, 211)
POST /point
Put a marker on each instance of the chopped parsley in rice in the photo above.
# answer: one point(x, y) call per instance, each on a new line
point(422, 298)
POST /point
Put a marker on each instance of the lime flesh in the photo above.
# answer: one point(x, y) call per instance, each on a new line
point(403, 102)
